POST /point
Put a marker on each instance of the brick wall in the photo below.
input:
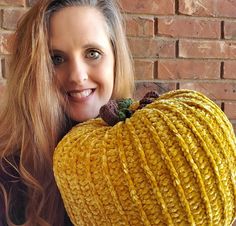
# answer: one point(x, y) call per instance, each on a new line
point(175, 43)
point(185, 44)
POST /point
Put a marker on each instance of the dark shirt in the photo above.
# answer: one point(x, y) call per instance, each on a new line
point(1, 213)
point(11, 181)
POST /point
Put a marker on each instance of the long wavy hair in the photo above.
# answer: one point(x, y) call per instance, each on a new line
point(32, 117)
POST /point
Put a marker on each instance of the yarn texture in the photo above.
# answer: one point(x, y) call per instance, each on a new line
point(173, 162)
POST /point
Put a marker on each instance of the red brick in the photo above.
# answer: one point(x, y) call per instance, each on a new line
point(215, 91)
point(12, 2)
point(195, 7)
point(156, 7)
point(229, 70)
point(213, 8)
point(11, 17)
point(230, 30)
point(144, 69)
point(188, 27)
point(207, 49)
point(188, 69)
point(143, 87)
point(225, 8)
point(152, 47)
point(6, 40)
point(140, 26)
point(230, 110)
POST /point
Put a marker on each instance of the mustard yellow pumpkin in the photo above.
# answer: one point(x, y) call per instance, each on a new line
point(173, 162)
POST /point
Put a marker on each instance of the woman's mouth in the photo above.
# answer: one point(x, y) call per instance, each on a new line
point(80, 95)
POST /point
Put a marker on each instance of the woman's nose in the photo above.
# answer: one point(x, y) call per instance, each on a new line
point(79, 71)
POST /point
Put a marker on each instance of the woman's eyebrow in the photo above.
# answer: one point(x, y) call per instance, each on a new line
point(93, 45)
point(53, 51)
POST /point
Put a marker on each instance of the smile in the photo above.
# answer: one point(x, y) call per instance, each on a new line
point(77, 95)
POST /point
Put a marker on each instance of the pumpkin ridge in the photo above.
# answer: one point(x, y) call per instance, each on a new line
point(99, 205)
point(213, 159)
point(97, 201)
point(110, 185)
point(137, 177)
point(146, 169)
point(132, 190)
point(172, 169)
point(178, 112)
point(203, 141)
point(146, 117)
point(196, 114)
point(186, 152)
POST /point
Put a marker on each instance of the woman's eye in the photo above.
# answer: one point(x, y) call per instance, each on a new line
point(93, 54)
point(57, 60)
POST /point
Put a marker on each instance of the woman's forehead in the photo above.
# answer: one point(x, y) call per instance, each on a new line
point(78, 26)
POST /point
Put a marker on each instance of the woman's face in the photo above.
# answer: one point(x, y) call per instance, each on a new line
point(84, 60)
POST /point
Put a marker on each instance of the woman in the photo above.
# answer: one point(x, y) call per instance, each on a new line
point(69, 58)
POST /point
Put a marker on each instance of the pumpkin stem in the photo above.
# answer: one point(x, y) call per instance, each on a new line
point(118, 110)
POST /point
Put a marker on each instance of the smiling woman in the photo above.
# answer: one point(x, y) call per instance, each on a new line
point(69, 58)
point(84, 60)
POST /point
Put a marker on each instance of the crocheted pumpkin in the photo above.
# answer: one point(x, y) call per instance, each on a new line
point(173, 162)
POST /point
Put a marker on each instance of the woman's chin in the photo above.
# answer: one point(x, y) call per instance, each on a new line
point(83, 117)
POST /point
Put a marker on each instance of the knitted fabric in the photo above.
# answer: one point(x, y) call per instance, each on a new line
point(171, 163)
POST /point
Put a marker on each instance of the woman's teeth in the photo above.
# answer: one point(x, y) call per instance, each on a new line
point(80, 94)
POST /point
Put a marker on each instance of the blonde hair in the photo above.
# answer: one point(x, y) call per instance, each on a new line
point(32, 119)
